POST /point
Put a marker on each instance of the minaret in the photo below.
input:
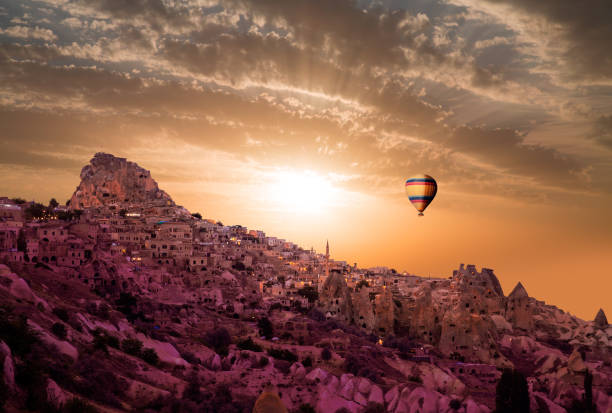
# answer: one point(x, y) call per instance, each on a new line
point(327, 260)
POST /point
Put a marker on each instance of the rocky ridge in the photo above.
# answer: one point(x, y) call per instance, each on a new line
point(108, 180)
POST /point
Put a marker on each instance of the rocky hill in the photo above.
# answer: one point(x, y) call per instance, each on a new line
point(158, 311)
point(111, 180)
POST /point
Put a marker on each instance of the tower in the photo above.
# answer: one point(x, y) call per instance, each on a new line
point(327, 259)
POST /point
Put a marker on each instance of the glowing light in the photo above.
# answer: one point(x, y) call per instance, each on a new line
point(302, 192)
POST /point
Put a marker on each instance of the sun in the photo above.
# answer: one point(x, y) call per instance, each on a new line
point(304, 192)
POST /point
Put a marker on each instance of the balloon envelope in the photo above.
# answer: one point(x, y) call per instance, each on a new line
point(421, 190)
point(269, 402)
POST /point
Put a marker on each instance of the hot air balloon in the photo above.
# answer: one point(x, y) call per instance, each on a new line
point(269, 402)
point(421, 190)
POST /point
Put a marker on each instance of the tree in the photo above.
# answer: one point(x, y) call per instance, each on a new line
point(306, 408)
point(19, 201)
point(310, 293)
point(35, 210)
point(59, 330)
point(197, 215)
point(512, 393)
point(362, 283)
point(150, 356)
point(53, 204)
point(219, 339)
point(265, 327)
point(131, 346)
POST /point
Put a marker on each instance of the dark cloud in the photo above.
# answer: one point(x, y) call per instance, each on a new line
point(603, 131)
point(587, 30)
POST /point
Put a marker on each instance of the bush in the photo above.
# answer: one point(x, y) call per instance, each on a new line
point(326, 354)
point(306, 408)
point(131, 346)
point(263, 362)
point(16, 333)
point(61, 313)
point(282, 354)
point(310, 293)
point(249, 344)
point(373, 407)
point(77, 405)
point(150, 356)
point(265, 327)
point(97, 382)
point(219, 339)
point(59, 330)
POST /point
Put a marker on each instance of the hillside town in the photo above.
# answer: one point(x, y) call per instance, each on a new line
point(150, 270)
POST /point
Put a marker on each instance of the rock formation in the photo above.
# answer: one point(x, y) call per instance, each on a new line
point(600, 319)
point(111, 180)
point(518, 308)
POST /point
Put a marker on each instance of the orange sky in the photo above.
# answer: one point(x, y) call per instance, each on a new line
point(304, 118)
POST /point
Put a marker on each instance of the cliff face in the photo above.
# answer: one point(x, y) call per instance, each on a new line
point(111, 180)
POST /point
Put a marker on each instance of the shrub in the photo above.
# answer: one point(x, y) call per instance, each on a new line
point(249, 344)
point(263, 362)
point(282, 354)
point(97, 382)
point(373, 407)
point(16, 333)
point(454, 404)
point(61, 313)
point(59, 330)
point(306, 408)
point(150, 356)
point(219, 339)
point(309, 293)
point(265, 327)
point(131, 346)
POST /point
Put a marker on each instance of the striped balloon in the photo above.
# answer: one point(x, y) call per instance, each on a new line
point(421, 190)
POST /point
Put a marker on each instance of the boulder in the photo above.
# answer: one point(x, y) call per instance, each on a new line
point(575, 363)
point(317, 375)
point(8, 366)
point(108, 179)
point(55, 395)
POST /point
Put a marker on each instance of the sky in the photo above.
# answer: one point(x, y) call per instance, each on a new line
point(304, 118)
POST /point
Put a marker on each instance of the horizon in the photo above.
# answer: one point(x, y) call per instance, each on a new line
point(304, 119)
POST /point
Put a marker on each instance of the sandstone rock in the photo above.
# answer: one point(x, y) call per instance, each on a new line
point(55, 395)
point(317, 374)
point(575, 363)
point(364, 385)
point(165, 351)
point(348, 389)
point(600, 319)
point(8, 366)
point(297, 370)
point(108, 179)
point(215, 362)
point(330, 402)
point(376, 395)
point(360, 399)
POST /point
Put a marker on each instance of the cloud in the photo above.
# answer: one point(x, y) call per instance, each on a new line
point(25, 32)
